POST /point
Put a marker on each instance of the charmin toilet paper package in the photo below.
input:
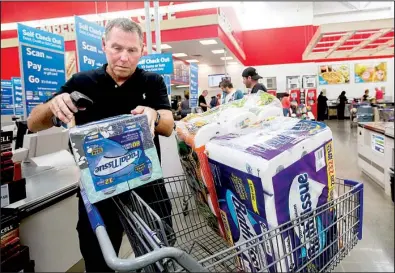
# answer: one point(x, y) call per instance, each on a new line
point(194, 131)
point(115, 155)
point(276, 169)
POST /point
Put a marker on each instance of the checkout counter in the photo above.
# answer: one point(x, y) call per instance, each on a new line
point(376, 151)
point(48, 214)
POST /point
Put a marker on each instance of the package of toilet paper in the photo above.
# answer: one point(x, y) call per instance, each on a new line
point(194, 131)
point(115, 155)
point(279, 169)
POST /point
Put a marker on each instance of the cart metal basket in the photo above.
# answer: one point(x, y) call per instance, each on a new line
point(190, 245)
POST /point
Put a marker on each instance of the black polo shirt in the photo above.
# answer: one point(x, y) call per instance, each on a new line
point(109, 99)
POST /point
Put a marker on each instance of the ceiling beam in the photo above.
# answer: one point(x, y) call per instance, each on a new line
point(339, 43)
point(382, 47)
point(357, 25)
point(369, 40)
point(313, 42)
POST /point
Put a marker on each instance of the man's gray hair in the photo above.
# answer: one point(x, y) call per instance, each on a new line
point(126, 25)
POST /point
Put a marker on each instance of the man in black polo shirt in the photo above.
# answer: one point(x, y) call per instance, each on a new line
point(250, 79)
point(119, 87)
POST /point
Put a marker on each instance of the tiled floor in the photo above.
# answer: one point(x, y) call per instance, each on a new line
point(375, 253)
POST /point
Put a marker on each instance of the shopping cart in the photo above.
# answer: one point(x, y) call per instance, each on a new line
point(190, 245)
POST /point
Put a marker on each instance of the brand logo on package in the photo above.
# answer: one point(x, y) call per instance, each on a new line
point(303, 198)
point(110, 165)
point(239, 215)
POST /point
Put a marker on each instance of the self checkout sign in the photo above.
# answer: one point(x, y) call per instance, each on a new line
point(42, 64)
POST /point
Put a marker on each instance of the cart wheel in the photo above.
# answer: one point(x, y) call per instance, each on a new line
point(185, 208)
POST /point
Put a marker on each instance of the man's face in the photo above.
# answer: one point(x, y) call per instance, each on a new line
point(204, 93)
point(226, 90)
point(247, 82)
point(123, 51)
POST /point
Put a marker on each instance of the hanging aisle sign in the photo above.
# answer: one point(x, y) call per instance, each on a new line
point(7, 102)
point(18, 95)
point(43, 64)
point(167, 80)
point(193, 86)
point(159, 63)
point(88, 38)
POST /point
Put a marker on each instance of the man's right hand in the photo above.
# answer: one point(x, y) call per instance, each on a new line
point(62, 107)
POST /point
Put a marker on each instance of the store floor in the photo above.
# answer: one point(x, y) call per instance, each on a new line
point(375, 253)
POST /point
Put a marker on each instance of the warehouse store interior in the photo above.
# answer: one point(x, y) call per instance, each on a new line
point(245, 136)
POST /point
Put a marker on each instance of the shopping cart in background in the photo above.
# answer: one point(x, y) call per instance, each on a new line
point(190, 245)
point(360, 112)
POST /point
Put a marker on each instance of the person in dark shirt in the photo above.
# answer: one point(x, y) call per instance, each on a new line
point(342, 100)
point(202, 101)
point(118, 87)
point(250, 79)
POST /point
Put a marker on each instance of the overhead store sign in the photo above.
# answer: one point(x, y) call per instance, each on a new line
point(193, 86)
point(18, 95)
point(7, 103)
point(158, 63)
point(88, 37)
point(43, 64)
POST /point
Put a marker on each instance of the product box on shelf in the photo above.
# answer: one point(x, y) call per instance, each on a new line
point(268, 174)
point(115, 155)
point(18, 262)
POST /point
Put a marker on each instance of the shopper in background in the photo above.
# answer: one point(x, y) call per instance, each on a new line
point(379, 94)
point(286, 103)
point(219, 99)
point(342, 100)
point(366, 95)
point(322, 106)
point(250, 79)
point(230, 92)
point(202, 101)
point(118, 87)
point(184, 106)
point(214, 101)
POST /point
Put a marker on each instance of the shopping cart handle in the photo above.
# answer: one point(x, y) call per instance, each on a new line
point(93, 214)
point(135, 263)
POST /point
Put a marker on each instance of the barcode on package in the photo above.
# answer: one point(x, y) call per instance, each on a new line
point(319, 159)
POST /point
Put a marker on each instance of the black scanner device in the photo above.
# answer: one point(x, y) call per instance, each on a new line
point(79, 100)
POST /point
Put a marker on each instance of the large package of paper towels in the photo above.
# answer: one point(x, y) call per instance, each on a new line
point(267, 174)
point(115, 155)
point(194, 131)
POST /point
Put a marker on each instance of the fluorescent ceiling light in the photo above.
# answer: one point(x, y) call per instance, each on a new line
point(182, 86)
point(192, 61)
point(218, 51)
point(226, 58)
point(208, 42)
point(165, 46)
point(179, 55)
point(233, 63)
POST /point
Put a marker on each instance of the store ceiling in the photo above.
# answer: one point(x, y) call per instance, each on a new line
point(352, 39)
point(203, 53)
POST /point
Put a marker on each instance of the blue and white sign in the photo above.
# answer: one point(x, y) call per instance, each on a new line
point(167, 79)
point(7, 102)
point(88, 36)
point(18, 96)
point(158, 63)
point(193, 86)
point(43, 64)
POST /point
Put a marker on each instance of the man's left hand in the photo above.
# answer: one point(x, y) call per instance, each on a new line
point(151, 115)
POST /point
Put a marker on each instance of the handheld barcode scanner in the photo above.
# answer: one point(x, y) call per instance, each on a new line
point(79, 100)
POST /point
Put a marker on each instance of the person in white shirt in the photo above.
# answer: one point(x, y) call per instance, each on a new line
point(230, 93)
